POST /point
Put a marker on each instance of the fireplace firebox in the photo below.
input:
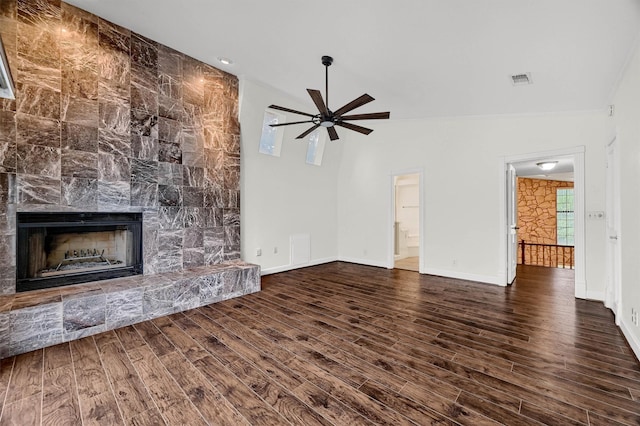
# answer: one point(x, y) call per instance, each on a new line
point(57, 249)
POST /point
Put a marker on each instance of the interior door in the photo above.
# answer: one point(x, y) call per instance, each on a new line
point(613, 284)
point(512, 224)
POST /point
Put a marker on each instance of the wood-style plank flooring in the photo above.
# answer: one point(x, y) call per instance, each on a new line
point(408, 263)
point(344, 344)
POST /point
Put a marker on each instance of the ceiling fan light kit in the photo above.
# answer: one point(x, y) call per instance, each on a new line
point(330, 119)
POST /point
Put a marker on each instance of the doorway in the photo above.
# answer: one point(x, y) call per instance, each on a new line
point(406, 221)
point(509, 247)
point(544, 224)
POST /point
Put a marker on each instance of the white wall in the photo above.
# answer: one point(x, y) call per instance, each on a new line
point(461, 159)
point(345, 205)
point(627, 120)
point(283, 196)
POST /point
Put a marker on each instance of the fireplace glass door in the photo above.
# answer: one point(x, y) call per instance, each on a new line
point(56, 249)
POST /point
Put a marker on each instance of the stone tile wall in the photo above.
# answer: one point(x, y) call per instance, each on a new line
point(108, 120)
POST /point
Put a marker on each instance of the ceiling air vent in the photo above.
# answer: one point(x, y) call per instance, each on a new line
point(521, 79)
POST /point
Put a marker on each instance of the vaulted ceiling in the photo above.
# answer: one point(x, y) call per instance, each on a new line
point(418, 58)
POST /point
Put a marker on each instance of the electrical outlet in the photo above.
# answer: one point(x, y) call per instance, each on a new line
point(258, 252)
point(634, 317)
point(595, 215)
point(275, 250)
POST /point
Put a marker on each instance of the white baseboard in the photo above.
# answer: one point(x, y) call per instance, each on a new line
point(367, 262)
point(634, 341)
point(284, 268)
point(581, 290)
point(487, 279)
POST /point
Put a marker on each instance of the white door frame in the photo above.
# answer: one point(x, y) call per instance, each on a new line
point(392, 216)
point(512, 222)
point(613, 289)
point(577, 155)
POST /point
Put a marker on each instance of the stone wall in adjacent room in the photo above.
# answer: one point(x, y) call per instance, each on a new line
point(537, 222)
point(108, 120)
point(537, 209)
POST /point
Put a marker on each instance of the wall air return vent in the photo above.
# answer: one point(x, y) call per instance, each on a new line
point(521, 79)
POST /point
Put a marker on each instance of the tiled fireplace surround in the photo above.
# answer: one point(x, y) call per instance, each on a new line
point(107, 120)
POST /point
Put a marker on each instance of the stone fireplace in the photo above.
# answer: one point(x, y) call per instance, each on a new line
point(111, 123)
point(106, 120)
point(57, 249)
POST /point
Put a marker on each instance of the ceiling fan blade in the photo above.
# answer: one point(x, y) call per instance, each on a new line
point(370, 116)
point(302, 135)
point(290, 110)
point(333, 135)
point(355, 127)
point(293, 122)
point(317, 99)
point(362, 100)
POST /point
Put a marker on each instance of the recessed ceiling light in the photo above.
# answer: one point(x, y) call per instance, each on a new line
point(225, 61)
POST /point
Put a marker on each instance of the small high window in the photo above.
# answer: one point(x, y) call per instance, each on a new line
point(315, 148)
point(271, 138)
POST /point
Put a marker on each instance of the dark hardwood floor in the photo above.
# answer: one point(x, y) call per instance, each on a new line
point(345, 344)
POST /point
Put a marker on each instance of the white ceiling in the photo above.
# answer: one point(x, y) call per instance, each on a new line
point(418, 58)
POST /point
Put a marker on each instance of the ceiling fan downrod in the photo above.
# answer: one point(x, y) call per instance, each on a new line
point(326, 61)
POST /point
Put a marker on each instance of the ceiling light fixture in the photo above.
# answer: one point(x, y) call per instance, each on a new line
point(547, 165)
point(330, 119)
point(225, 61)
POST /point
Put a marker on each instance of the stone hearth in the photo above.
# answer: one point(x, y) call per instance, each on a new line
point(47, 317)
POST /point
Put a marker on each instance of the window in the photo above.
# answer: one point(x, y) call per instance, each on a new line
point(315, 149)
point(271, 138)
point(564, 216)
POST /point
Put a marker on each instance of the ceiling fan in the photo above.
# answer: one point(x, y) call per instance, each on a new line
point(329, 119)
